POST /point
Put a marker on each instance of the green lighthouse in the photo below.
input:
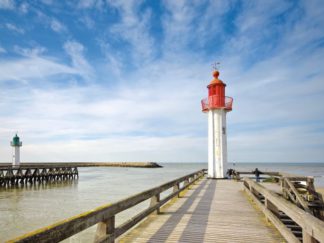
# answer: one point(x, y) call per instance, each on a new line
point(16, 144)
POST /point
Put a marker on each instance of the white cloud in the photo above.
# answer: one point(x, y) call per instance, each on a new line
point(50, 22)
point(7, 4)
point(281, 144)
point(88, 116)
point(33, 67)
point(134, 28)
point(13, 27)
point(47, 2)
point(113, 61)
point(2, 50)
point(97, 123)
point(184, 25)
point(76, 51)
point(24, 7)
point(91, 3)
point(87, 3)
point(89, 22)
point(57, 26)
point(177, 22)
point(30, 52)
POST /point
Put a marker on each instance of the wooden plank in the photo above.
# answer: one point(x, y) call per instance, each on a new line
point(213, 211)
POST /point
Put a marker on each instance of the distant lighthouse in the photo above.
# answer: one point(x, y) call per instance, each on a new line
point(217, 105)
point(16, 144)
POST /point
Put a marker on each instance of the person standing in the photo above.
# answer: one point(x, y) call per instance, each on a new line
point(257, 173)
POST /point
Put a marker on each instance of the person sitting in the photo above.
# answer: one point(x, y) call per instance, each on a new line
point(230, 173)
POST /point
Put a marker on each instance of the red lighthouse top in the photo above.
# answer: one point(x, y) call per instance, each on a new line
point(216, 95)
point(216, 80)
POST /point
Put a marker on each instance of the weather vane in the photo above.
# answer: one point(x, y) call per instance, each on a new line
point(216, 66)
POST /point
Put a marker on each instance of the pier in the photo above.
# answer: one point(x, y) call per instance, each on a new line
point(11, 176)
point(212, 211)
point(87, 164)
point(196, 209)
point(29, 173)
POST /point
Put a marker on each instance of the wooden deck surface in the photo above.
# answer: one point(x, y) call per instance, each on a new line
point(211, 211)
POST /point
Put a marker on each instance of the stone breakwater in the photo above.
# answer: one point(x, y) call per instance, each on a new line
point(87, 164)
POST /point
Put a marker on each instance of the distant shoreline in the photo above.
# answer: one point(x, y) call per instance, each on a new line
point(88, 164)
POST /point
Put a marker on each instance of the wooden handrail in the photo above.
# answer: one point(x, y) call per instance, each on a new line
point(299, 199)
point(104, 216)
point(313, 228)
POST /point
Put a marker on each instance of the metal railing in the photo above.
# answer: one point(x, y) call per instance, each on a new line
point(104, 216)
point(216, 101)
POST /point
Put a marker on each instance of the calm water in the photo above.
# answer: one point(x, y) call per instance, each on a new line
point(32, 207)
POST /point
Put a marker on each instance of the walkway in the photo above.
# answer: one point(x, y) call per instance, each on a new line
point(211, 211)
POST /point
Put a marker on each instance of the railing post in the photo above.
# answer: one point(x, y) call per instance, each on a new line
point(176, 188)
point(269, 205)
point(186, 182)
point(154, 200)
point(308, 238)
point(310, 185)
point(284, 188)
point(105, 228)
point(202, 173)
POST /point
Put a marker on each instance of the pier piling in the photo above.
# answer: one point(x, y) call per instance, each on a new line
point(11, 176)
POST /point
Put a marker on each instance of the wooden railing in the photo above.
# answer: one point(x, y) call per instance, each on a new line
point(273, 205)
point(238, 175)
point(104, 216)
point(290, 192)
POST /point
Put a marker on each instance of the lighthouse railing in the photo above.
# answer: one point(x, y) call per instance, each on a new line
point(228, 103)
point(19, 144)
point(216, 101)
point(204, 104)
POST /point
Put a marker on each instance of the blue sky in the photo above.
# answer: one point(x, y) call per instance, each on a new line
point(122, 80)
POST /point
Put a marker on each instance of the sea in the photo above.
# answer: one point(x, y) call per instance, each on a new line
point(24, 209)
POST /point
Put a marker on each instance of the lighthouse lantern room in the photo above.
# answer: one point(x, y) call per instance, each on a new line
point(16, 144)
point(217, 105)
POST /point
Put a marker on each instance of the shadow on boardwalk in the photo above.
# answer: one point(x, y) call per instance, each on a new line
point(195, 228)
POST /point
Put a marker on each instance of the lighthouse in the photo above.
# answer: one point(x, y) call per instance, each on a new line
point(16, 144)
point(216, 105)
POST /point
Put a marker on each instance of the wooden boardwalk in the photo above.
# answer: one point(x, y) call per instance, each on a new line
point(211, 211)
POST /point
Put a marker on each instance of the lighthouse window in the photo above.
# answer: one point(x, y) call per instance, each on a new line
point(224, 130)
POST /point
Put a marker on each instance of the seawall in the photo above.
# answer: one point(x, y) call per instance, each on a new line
point(87, 164)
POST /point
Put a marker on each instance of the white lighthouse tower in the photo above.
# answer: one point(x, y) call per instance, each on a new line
point(16, 144)
point(217, 105)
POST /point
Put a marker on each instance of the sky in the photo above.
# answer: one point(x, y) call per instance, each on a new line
point(104, 80)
